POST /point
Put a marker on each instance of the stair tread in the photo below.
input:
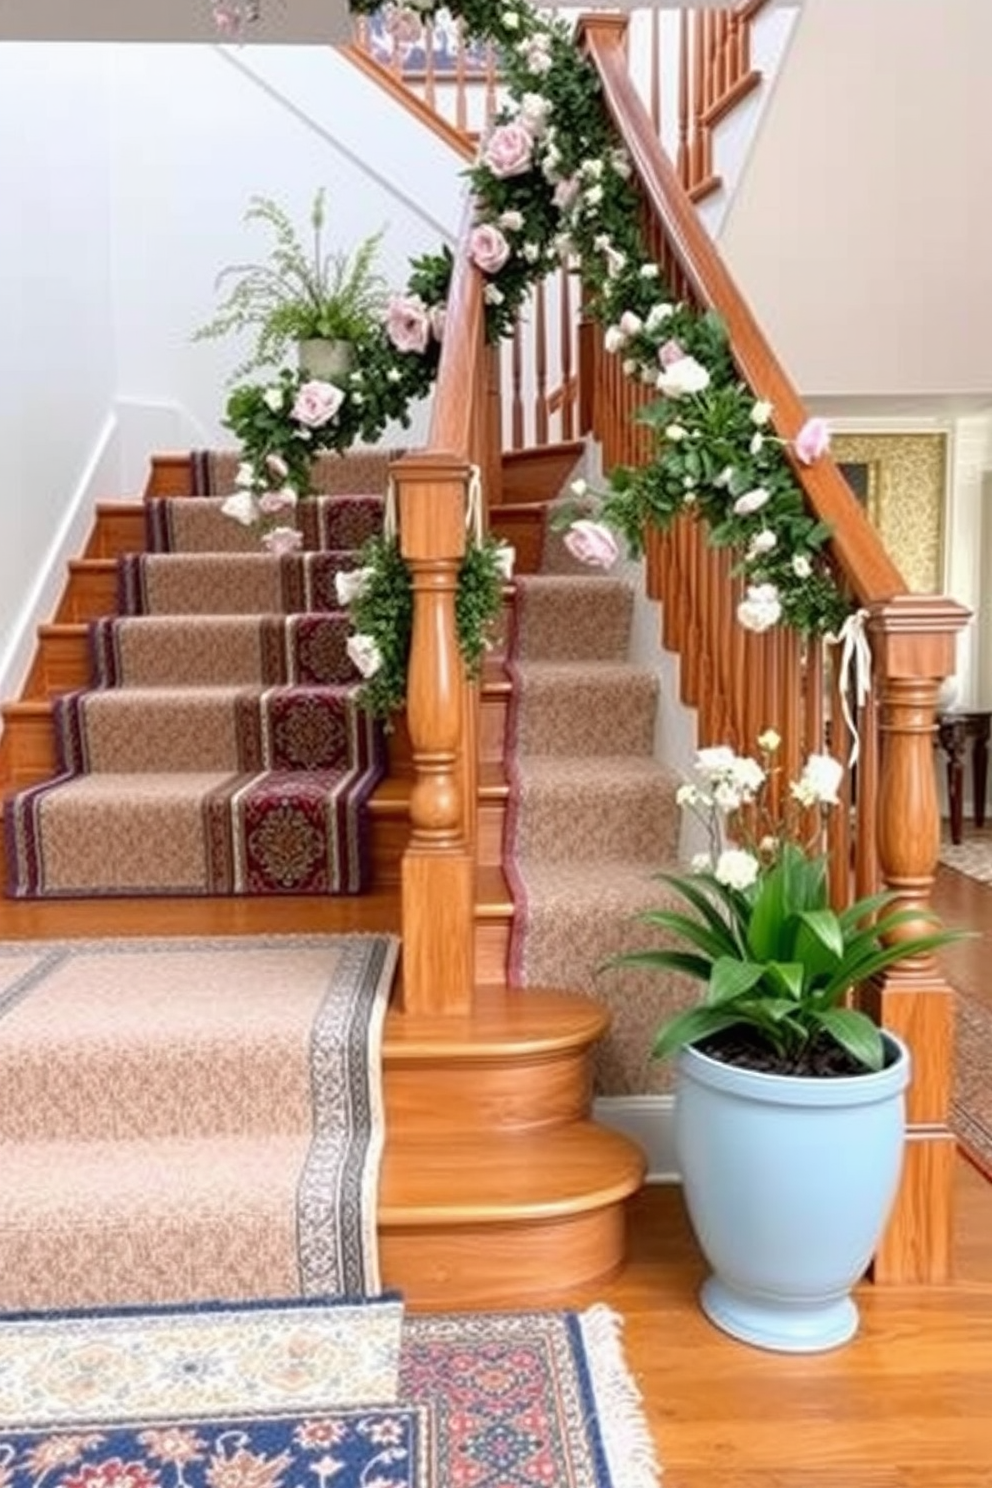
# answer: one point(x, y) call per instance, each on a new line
point(488, 1178)
point(503, 1024)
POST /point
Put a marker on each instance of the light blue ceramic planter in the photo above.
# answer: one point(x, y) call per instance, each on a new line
point(788, 1183)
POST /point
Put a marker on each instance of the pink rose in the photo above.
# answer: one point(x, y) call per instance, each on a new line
point(813, 440)
point(592, 543)
point(488, 248)
point(277, 467)
point(670, 352)
point(283, 540)
point(271, 503)
point(403, 25)
point(407, 323)
point(438, 314)
point(316, 404)
point(509, 150)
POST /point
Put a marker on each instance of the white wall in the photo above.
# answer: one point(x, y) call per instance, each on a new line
point(862, 228)
point(124, 175)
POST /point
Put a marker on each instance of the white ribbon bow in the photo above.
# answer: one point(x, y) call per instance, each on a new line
point(473, 505)
point(390, 522)
point(855, 666)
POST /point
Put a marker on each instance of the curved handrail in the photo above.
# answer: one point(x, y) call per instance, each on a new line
point(452, 414)
point(855, 544)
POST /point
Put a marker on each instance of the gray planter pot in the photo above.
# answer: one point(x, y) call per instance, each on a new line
point(788, 1183)
point(327, 361)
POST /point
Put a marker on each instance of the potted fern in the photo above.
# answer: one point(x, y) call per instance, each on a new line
point(789, 1104)
point(327, 301)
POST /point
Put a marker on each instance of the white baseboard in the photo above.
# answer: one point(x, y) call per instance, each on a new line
point(647, 1120)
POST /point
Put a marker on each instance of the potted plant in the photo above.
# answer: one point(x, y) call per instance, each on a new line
point(789, 1106)
point(326, 301)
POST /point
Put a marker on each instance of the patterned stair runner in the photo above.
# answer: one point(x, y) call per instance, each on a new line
point(220, 749)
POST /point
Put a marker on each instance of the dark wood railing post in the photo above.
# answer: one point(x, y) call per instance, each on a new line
point(913, 639)
point(438, 865)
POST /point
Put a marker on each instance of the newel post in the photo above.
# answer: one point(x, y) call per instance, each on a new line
point(438, 867)
point(914, 643)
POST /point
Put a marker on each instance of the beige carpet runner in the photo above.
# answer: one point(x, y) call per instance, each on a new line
point(188, 1120)
point(220, 749)
point(593, 815)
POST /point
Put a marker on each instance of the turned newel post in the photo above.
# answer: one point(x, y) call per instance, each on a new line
point(437, 870)
point(913, 640)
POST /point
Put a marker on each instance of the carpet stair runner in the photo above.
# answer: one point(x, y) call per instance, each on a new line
point(221, 749)
point(592, 817)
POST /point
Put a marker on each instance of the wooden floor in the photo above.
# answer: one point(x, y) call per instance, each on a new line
point(908, 1404)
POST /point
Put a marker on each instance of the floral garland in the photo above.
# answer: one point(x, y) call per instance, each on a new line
point(552, 186)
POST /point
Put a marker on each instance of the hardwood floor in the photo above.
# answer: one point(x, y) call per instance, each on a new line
point(905, 1405)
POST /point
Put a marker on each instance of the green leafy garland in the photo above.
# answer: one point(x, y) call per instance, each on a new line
point(552, 185)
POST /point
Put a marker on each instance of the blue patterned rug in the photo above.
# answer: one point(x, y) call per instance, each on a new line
point(501, 1400)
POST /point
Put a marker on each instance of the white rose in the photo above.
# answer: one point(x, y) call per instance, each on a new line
point(241, 506)
point(649, 271)
point(629, 366)
point(658, 314)
point(493, 295)
point(591, 170)
point(531, 252)
point(631, 324)
point(736, 868)
point(675, 432)
point(512, 221)
point(593, 196)
point(762, 542)
point(614, 339)
point(761, 608)
point(682, 377)
point(365, 654)
point(818, 784)
point(245, 475)
point(751, 501)
point(273, 398)
point(801, 566)
point(761, 412)
point(351, 583)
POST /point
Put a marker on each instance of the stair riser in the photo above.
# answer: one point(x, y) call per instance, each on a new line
point(91, 590)
point(522, 1264)
point(118, 529)
point(487, 1097)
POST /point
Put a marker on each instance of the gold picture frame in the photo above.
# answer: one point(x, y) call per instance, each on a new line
point(902, 480)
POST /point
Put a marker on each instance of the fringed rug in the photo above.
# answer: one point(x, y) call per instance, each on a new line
point(972, 856)
point(190, 1119)
point(221, 748)
point(484, 1401)
point(592, 815)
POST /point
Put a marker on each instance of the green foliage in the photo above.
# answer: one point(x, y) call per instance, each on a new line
point(301, 292)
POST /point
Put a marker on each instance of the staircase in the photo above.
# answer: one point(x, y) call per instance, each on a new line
point(496, 1185)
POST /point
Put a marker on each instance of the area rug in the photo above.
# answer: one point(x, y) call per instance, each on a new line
point(972, 857)
point(520, 1400)
point(190, 1119)
point(971, 1104)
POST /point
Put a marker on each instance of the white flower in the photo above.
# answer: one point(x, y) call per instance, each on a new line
point(493, 295)
point(761, 412)
point(727, 796)
point(621, 164)
point(736, 868)
point(601, 242)
point(757, 442)
point(246, 474)
point(510, 20)
point(761, 607)
point(512, 221)
point(393, 375)
point(817, 786)
point(615, 262)
point(365, 654)
point(690, 498)
point(715, 761)
point(762, 542)
point(241, 506)
point(689, 481)
point(531, 252)
point(591, 170)
point(751, 501)
point(358, 399)
point(579, 487)
point(629, 366)
point(505, 555)
point(687, 795)
point(614, 339)
point(351, 583)
point(536, 52)
point(747, 775)
point(682, 377)
point(273, 398)
point(769, 741)
point(649, 375)
point(533, 112)
point(649, 271)
point(593, 196)
point(801, 566)
point(725, 477)
point(675, 432)
point(631, 324)
point(701, 862)
point(659, 313)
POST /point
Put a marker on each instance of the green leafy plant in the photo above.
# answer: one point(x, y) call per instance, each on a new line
point(301, 292)
point(777, 962)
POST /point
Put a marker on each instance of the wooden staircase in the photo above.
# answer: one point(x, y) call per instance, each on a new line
point(496, 1185)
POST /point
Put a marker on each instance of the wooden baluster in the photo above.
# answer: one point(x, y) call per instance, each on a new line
point(682, 161)
point(461, 88)
point(913, 640)
point(565, 352)
point(838, 825)
point(656, 70)
point(430, 67)
point(489, 446)
point(491, 83)
point(790, 753)
point(540, 364)
point(720, 60)
point(735, 49)
point(516, 388)
point(867, 875)
point(697, 164)
point(438, 870)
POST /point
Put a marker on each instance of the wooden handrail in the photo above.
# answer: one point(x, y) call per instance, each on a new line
point(458, 139)
point(867, 568)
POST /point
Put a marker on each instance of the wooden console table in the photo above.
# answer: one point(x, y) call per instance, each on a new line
point(954, 731)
